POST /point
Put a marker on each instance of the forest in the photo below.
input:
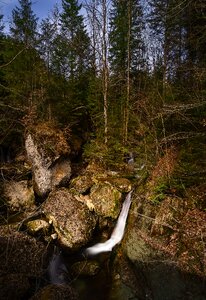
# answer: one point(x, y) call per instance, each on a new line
point(120, 75)
point(102, 143)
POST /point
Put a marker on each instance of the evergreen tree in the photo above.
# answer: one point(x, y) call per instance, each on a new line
point(2, 90)
point(126, 17)
point(49, 32)
point(24, 73)
point(74, 38)
point(166, 21)
point(126, 56)
point(24, 23)
point(1, 26)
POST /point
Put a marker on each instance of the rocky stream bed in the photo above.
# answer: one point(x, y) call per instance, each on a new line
point(50, 213)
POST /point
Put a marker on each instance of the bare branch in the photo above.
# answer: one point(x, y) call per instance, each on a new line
point(181, 136)
point(8, 63)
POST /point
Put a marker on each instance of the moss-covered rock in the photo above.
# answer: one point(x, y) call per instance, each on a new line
point(71, 219)
point(37, 226)
point(172, 230)
point(85, 268)
point(82, 184)
point(106, 200)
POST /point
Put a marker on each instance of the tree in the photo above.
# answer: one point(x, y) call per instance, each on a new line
point(166, 22)
point(48, 33)
point(24, 24)
point(1, 26)
point(75, 39)
point(126, 51)
point(24, 75)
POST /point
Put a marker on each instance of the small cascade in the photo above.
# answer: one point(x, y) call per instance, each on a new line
point(117, 233)
point(57, 271)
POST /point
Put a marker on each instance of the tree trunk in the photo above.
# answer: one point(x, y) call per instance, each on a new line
point(126, 109)
point(105, 69)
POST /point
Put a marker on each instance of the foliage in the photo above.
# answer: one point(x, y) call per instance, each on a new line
point(24, 24)
point(155, 78)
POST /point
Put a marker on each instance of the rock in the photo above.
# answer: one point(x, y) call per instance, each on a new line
point(166, 242)
point(37, 226)
point(106, 200)
point(21, 254)
point(61, 173)
point(19, 195)
point(46, 149)
point(85, 268)
point(71, 219)
point(13, 286)
point(56, 292)
point(122, 184)
point(127, 283)
point(82, 184)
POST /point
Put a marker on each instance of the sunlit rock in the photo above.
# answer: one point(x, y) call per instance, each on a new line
point(71, 219)
point(121, 184)
point(37, 226)
point(47, 150)
point(106, 200)
point(19, 195)
point(82, 184)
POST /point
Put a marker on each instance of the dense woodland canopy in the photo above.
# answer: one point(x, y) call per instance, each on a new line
point(122, 75)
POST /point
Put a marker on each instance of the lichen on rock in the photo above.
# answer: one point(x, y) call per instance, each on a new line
point(71, 219)
point(47, 151)
point(106, 200)
point(19, 195)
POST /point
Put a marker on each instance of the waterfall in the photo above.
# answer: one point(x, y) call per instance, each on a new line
point(117, 233)
point(57, 270)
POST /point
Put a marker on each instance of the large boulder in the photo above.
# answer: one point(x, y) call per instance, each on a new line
point(106, 200)
point(56, 292)
point(14, 286)
point(71, 219)
point(166, 242)
point(19, 195)
point(47, 151)
point(20, 253)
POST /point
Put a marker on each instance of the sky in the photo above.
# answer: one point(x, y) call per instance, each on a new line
point(40, 7)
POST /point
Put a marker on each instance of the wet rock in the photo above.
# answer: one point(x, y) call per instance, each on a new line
point(127, 283)
point(106, 200)
point(19, 195)
point(13, 286)
point(56, 292)
point(20, 253)
point(46, 149)
point(71, 219)
point(38, 226)
point(85, 268)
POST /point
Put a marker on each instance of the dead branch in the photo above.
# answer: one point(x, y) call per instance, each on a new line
point(8, 63)
point(181, 136)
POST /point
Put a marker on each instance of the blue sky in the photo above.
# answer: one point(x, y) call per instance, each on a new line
point(40, 7)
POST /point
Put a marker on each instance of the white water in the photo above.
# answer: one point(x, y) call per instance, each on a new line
point(57, 269)
point(117, 233)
